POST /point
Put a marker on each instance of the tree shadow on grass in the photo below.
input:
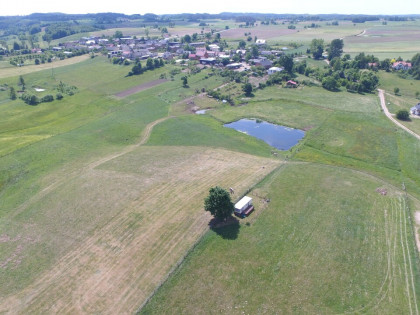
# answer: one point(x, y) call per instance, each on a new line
point(228, 229)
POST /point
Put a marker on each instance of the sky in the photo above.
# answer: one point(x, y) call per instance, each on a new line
point(24, 7)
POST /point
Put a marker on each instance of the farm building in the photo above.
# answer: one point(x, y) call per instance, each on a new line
point(291, 83)
point(244, 207)
point(208, 61)
point(234, 66)
point(401, 65)
point(273, 70)
point(415, 110)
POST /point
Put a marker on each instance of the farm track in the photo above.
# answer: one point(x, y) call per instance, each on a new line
point(388, 114)
point(116, 266)
point(63, 179)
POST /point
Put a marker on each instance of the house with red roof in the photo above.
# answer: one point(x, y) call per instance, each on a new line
point(401, 65)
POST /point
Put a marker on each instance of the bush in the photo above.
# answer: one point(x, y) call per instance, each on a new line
point(403, 114)
point(59, 96)
point(29, 99)
point(47, 98)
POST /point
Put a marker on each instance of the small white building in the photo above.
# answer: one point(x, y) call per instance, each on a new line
point(415, 110)
point(273, 70)
point(260, 42)
point(244, 206)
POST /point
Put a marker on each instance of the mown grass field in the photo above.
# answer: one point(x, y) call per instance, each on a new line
point(76, 187)
point(316, 248)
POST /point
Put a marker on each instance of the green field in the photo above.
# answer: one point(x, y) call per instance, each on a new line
point(101, 196)
point(313, 249)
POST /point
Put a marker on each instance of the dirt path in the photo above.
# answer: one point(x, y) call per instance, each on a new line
point(63, 179)
point(140, 88)
point(362, 33)
point(388, 114)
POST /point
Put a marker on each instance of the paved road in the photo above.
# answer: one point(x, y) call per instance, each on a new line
point(388, 114)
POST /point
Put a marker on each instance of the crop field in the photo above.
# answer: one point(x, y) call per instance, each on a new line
point(315, 248)
point(386, 41)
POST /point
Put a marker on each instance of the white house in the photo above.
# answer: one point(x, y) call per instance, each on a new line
point(273, 70)
point(244, 206)
point(415, 110)
point(260, 42)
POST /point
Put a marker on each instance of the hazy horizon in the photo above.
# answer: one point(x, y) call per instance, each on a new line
point(373, 7)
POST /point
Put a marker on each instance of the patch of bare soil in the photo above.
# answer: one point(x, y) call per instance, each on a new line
point(381, 191)
point(140, 88)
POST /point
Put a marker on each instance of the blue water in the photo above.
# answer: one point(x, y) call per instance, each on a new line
point(279, 137)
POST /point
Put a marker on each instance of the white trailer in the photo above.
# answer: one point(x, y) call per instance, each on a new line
point(244, 206)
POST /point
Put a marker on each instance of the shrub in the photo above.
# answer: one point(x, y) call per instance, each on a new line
point(47, 98)
point(403, 114)
point(59, 96)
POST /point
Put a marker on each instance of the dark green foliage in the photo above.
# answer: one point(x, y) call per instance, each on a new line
point(59, 96)
point(396, 90)
point(137, 68)
point(184, 82)
point(415, 64)
point(403, 114)
point(330, 83)
point(12, 93)
point(149, 64)
point(29, 99)
point(336, 48)
point(317, 48)
point(218, 203)
point(247, 88)
point(47, 98)
point(21, 82)
point(286, 62)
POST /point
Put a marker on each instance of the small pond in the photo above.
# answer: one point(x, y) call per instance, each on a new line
point(279, 137)
point(201, 111)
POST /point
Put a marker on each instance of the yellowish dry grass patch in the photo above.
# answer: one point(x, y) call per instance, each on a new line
point(117, 230)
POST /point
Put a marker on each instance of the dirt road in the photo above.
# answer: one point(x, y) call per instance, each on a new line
point(388, 114)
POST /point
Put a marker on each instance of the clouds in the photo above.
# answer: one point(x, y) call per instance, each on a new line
point(24, 7)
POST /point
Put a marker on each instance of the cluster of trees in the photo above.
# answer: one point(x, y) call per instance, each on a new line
point(32, 99)
point(217, 95)
point(150, 65)
point(59, 30)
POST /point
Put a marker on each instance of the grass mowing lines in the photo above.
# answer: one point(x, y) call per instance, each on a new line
point(403, 210)
point(335, 259)
point(135, 185)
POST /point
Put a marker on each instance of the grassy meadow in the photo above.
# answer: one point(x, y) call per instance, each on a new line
point(101, 197)
point(316, 248)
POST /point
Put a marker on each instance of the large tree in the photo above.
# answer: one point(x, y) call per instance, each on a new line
point(218, 203)
point(336, 48)
point(317, 48)
point(415, 64)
